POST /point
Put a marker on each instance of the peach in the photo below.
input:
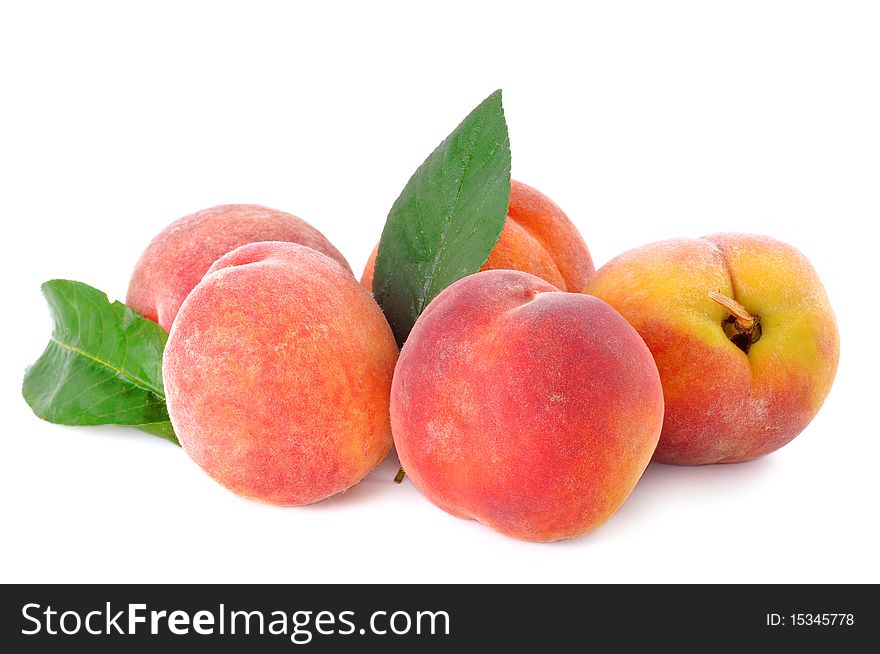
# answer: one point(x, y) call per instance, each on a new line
point(175, 261)
point(277, 375)
point(742, 333)
point(537, 238)
point(529, 409)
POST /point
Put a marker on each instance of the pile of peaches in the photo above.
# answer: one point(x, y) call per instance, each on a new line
point(530, 396)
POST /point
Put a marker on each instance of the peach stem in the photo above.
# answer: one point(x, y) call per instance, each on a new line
point(744, 319)
point(398, 478)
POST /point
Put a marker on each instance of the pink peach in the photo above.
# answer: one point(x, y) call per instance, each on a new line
point(531, 410)
point(175, 261)
point(277, 375)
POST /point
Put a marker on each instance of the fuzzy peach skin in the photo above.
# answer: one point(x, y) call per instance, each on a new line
point(175, 261)
point(724, 405)
point(531, 410)
point(537, 238)
point(277, 375)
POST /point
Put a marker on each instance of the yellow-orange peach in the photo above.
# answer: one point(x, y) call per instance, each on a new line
point(532, 410)
point(277, 374)
point(742, 333)
point(175, 261)
point(537, 238)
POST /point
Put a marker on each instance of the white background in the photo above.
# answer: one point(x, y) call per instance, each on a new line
point(643, 121)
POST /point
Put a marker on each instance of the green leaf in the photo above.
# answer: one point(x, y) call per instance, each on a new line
point(447, 219)
point(103, 364)
point(162, 430)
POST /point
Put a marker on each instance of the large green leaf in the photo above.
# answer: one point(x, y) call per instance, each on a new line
point(447, 219)
point(103, 364)
point(162, 430)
